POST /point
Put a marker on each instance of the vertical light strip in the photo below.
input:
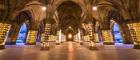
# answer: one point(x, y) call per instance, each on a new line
point(6, 37)
point(60, 36)
point(79, 35)
point(107, 36)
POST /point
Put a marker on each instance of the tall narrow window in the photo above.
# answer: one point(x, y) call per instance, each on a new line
point(22, 34)
point(117, 35)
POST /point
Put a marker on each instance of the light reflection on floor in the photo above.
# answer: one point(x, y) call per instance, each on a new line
point(20, 44)
point(118, 43)
point(70, 51)
point(123, 46)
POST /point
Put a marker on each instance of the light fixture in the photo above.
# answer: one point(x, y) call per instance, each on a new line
point(94, 8)
point(70, 36)
point(43, 8)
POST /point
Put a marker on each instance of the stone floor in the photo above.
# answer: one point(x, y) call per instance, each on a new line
point(70, 51)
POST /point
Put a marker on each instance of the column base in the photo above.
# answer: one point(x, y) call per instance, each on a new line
point(10, 43)
point(30, 43)
point(2, 46)
point(81, 43)
point(93, 48)
point(45, 48)
point(97, 42)
point(127, 42)
point(57, 43)
point(136, 47)
point(109, 43)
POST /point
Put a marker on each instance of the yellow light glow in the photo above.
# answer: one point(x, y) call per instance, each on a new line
point(43, 8)
point(70, 36)
point(94, 8)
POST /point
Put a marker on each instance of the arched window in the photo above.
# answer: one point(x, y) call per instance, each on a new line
point(22, 34)
point(117, 35)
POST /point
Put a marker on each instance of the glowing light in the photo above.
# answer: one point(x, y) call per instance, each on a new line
point(70, 36)
point(20, 44)
point(79, 35)
point(60, 36)
point(43, 8)
point(94, 8)
point(22, 34)
point(117, 34)
point(70, 49)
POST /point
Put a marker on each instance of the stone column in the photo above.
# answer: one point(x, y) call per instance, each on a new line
point(4, 30)
point(125, 33)
point(31, 37)
point(135, 33)
point(32, 34)
point(93, 41)
point(113, 35)
point(13, 33)
point(45, 36)
point(107, 38)
point(91, 32)
point(96, 37)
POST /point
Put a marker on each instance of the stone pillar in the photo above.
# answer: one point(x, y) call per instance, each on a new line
point(93, 41)
point(107, 37)
point(4, 30)
point(125, 33)
point(113, 35)
point(91, 32)
point(42, 37)
point(31, 37)
point(45, 37)
point(32, 34)
point(47, 30)
point(13, 34)
point(96, 37)
point(135, 33)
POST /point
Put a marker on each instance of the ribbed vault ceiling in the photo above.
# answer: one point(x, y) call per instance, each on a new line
point(69, 14)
